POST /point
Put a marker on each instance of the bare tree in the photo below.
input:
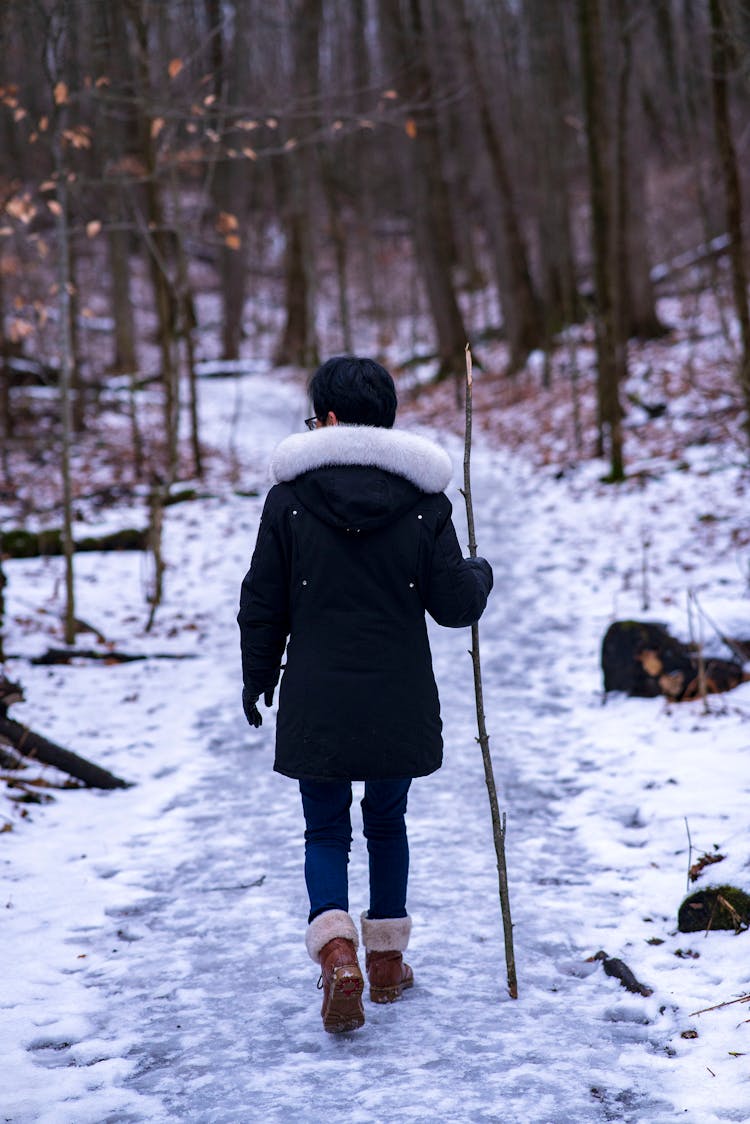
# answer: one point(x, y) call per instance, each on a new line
point(404, 47)
point(299, 342)
point(610, 350)
point(732, 192)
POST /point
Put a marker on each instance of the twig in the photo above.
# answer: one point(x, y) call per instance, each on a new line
point(690, 853)
point(702, 686)
point(718, 1006)
point(730, 643)
point(498, 823)
point(239, 886)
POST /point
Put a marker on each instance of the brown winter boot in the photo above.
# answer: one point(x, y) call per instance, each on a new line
point(332, 942)
point(385, 940)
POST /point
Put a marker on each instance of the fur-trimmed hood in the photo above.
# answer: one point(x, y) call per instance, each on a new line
point(421, 462)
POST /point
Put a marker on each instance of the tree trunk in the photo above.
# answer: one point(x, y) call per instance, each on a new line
point(158, 244)
point(229, 63)
point(299, 341)
point(609, 356)
point(3, 583)
point(631, 277)
point(108, 29)
point(732, 194)
point(551, 95)
point(433, 235)
point(521, 310)
point(66, 373)
point(124, 359)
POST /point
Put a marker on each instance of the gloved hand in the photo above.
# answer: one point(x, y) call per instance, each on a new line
point(249, 705)
point(482, 564)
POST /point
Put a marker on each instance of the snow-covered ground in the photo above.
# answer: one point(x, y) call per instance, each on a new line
point(153, 938)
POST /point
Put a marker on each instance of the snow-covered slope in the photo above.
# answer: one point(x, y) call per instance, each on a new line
point(153, 938)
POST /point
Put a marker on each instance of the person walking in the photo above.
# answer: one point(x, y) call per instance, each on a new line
point(355, 545)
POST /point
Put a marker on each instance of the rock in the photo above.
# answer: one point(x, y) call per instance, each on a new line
point(718, 907)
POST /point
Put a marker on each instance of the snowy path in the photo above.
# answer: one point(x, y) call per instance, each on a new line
point(186, 966)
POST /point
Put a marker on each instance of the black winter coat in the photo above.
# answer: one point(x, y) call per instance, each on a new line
point(355, 543)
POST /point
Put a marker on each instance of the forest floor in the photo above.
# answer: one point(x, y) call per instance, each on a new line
point(154, 937)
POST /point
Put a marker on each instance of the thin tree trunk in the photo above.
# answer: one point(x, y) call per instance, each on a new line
point(6, 413)
point(158, 246)
point(631, 277)
point(299, 341)
point(521, 309)
point(609, 361)
point(124, 360)
point(430, 213)
point(3, 583)
point(732, 194)
point(229, 63)
point(66, 371)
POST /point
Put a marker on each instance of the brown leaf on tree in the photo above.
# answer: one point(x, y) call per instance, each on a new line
point(60, 93)
point(19, 329)
point(174, 68)
point(233, 241)
point(410, 128)
point(93, 228)
point(226, 222)
point(20, 207)
point(79, 137)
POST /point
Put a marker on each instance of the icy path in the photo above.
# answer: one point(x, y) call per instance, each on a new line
point(180, 990)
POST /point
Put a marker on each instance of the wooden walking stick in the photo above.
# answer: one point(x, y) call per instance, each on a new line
point(498, 822)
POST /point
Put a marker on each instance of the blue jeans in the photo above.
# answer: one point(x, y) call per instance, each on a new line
point(328, 838)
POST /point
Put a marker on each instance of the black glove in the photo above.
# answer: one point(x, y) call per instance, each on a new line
point(249, 705)
point(482, 564)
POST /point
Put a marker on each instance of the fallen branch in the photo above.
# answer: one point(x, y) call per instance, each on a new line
point(35, 746)
point(718, 1006)
point(620, 971)
point(498, 823)
point(239, 886)
point(20, 543)
point(54, 656)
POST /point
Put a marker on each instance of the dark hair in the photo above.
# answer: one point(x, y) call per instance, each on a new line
point(358, 391)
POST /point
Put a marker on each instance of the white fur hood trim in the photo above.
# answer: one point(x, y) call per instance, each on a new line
point(418, 460)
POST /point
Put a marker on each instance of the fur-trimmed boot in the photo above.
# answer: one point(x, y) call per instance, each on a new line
point(385, 940)
point(332, 942)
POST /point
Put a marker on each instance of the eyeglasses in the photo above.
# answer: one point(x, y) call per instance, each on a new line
point(312, 423)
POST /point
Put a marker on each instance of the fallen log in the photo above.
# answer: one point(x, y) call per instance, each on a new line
point(57, 656)
point(35, 746)
point(642, 659)
point(20, 543)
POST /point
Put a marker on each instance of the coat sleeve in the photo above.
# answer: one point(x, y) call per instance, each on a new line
point(264, 601)
point(456, 588)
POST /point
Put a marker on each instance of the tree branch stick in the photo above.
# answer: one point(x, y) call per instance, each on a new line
point(498, 822)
